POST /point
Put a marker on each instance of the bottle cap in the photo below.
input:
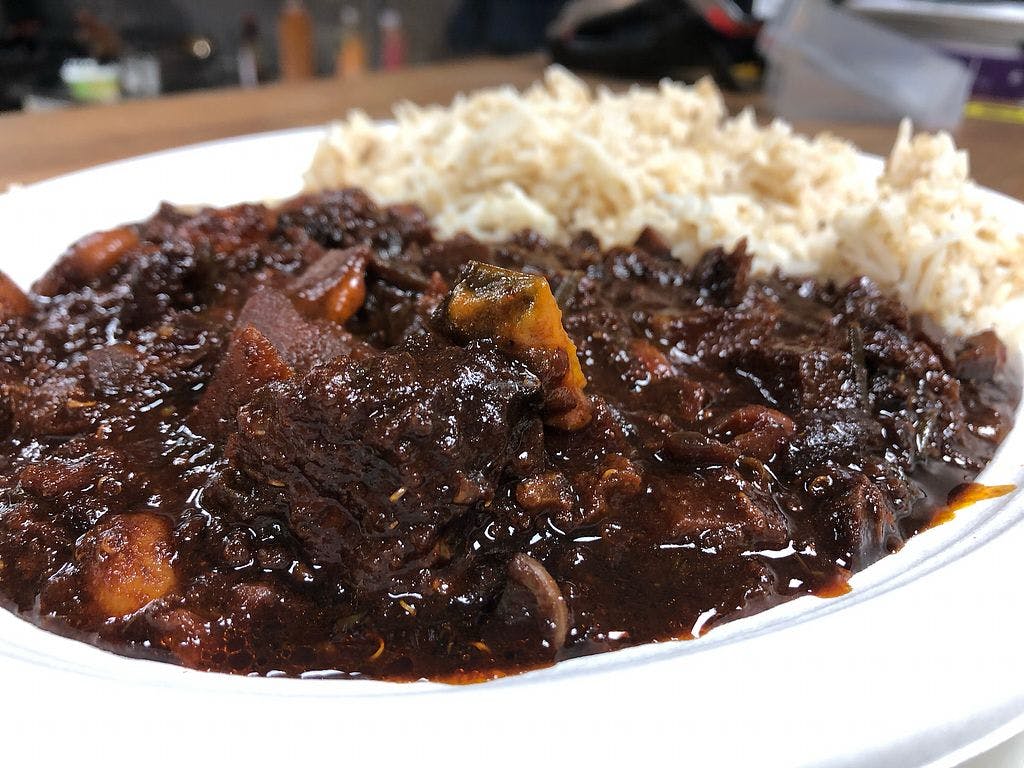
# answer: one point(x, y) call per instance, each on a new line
point(349, 16)
point(390, 18)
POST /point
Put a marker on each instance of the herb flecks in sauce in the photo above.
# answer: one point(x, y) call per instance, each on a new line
point(315, 438)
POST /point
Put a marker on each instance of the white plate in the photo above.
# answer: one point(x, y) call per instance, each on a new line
point(920, 665)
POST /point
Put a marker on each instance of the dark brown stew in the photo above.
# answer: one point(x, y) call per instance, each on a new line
point(310, 438)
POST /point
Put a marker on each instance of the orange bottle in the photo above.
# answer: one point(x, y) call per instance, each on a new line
point(295, 42)
point(351, 59)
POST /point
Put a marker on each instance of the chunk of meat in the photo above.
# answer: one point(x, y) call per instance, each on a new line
point(717, 509)
point(652, 241)
point(586, 241)
point(347, 217)
point(624, 268)
point(33, 546)
point(862, 299)
point(545, 491)
point(126, 562)
point(796, 377)
point(374, 456)
point(79, 486)
point(982, 357)
point(723, 275)
point(13, 301)
point(519, 312)
point(833, 438)
point(334, 287)
point(186, 634)
point(692, 449)
point(114, 369)
point(225, 230)
point(53, 477)
point(87, 260)
point(449, 256)
point(251, 362)
point(754, 430)
point(271, 342)
point(299, 342)
point(863, 521)
point(678, 398)
point(54, 402)
point(608, 488)
point(651, 361)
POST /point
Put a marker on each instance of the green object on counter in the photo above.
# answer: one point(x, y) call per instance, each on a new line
point(91, 82)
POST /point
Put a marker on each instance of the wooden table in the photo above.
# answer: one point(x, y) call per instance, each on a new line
point(37, 146)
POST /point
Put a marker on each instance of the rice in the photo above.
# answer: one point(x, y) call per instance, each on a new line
point(560, 158)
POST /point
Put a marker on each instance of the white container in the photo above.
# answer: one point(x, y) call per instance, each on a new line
point(829, 65)
point(91, 82)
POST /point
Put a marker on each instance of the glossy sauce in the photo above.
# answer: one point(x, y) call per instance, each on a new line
point(965, 495)
point(262, 441)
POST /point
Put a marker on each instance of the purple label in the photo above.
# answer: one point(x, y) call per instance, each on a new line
point(1000, 78)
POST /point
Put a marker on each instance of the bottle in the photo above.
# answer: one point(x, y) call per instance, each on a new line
point(248, 53)
point(351, 59)
point(295, 42)
point(392, 40)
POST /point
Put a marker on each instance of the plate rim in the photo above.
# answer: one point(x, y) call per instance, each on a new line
point(1014, 527)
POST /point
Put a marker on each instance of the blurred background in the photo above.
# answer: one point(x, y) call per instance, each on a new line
point(188, 44)
point(56, 53)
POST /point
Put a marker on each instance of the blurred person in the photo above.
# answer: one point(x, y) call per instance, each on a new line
point(501, 26)
point(25, 62)
point(100, 40)
point(22, 22)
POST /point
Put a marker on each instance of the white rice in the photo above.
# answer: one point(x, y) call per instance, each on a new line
point(560, 158)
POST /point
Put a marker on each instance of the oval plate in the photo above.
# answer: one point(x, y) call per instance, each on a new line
point(920, 665)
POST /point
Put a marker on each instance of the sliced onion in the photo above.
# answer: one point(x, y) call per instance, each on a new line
point(531, 573)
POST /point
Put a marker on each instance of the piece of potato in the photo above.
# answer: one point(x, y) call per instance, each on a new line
point(518, 311)
point(96, 253)
point(126, 562)
point(87, 259)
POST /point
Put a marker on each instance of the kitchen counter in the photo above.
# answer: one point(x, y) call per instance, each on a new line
point(37, 146)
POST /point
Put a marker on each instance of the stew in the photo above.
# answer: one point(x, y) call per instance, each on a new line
point(314, 439)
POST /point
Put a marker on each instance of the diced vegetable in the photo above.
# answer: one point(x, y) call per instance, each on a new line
point(518, 311)
point(531, 573)
point(87, 259)
point(126, 562)
point(335, 286)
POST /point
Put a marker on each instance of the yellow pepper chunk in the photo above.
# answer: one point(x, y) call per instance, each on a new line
point(519, 311)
